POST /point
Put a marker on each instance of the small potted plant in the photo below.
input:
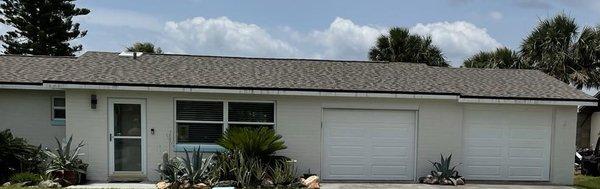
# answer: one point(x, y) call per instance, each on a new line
point(65, 164)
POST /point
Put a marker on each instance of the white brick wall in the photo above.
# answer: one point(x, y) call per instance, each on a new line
point(27, 113)
point(299, 121)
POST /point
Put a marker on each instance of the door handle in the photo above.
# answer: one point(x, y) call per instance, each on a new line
point(110, 137)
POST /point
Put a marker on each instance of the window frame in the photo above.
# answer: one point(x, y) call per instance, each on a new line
point(225, 121)
point(54, 107)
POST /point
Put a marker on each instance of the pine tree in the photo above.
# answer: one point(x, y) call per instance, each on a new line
point(41, 27)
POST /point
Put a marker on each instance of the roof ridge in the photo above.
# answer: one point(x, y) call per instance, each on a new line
point(256, 58)
point(36, 56)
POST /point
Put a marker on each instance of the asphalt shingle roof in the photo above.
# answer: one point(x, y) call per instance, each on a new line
point(285, 74)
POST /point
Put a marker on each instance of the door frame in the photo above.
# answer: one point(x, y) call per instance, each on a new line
point(414, 109)
point(111, 136)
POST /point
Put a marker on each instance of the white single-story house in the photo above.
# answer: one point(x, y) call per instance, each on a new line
point(344, 120)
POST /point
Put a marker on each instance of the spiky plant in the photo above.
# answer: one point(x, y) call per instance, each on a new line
point(195, 169)
point(168, 169)
point(65, 158)
point(283, 173)
point(443, 170)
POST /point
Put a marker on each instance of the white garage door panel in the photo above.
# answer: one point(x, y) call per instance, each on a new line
point(368, 144)
point(507, 143)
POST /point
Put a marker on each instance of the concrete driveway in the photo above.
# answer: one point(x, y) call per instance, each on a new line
point(425, 186)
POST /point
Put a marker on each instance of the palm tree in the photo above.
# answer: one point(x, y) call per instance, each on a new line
point(501, 58)
point(556, 48)
point(401, 46)
point(145, 47)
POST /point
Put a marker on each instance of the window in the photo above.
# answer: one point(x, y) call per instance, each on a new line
point(204, 121)
point(251, 114)
point(58, 108)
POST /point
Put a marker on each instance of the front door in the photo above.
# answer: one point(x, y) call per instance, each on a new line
point(127, 132)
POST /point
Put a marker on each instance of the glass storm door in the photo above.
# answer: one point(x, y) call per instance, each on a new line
point(126, 137)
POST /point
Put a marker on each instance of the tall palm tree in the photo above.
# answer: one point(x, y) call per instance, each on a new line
point(401, 46)
point(556, 48)
point(145, 47)
point(501, 58)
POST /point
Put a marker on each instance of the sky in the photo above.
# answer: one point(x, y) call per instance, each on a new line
point(319, 29)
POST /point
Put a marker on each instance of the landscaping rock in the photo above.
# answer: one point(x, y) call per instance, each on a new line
point(163, 185)
point(310, 180)
point(267, 183)
point(49, 184)
point(185, 185)
point(225, 183)
point(460, 181)
point(201, 186)
point(314, 185)
point(6, 184)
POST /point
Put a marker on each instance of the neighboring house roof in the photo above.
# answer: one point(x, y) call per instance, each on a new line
point(170, 70)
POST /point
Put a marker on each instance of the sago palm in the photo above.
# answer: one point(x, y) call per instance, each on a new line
point(402, 46)
point(259, 142)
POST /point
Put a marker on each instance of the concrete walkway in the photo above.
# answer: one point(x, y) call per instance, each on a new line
point(114, 186)
point(425, 186)
point(341, 186)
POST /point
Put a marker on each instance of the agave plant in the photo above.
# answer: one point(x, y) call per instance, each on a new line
point(65, 158)
point(195, 169)
point(283, 173)
point(444, 171)
point(169, 169)
point(65, 164)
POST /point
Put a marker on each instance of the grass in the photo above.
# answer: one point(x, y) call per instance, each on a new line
point(587, 182)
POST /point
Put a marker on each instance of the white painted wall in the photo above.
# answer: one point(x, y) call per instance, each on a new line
point(299, 121)
point(28, 113)
point(594, 128)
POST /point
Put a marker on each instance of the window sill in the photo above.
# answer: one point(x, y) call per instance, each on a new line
point(57, 122)
point(211, 148)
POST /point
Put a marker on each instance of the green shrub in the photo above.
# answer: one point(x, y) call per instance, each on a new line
point(31, 178)
point(16, 155)
point(259, 142)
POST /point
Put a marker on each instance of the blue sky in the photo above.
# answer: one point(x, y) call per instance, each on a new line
point(317, 29)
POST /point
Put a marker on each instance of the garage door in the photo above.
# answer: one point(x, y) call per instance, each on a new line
point(368, 144)
point(507, 143)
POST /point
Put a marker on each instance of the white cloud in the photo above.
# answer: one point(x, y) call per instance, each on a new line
point(121, 18)
point(345, 39)
point(458, 40)
point(222, 36)
point(496, 15)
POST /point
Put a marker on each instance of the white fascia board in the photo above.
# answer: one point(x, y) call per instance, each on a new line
point(246, 91)
point(318, 93)
point(531, 102)
point(26, 87)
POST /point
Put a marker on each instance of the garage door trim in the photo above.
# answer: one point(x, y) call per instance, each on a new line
point(322, 163)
